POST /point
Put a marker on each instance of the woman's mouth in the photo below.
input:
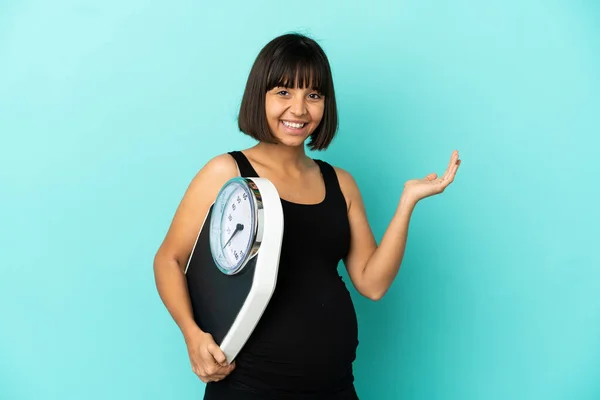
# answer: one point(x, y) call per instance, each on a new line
point(294, 126)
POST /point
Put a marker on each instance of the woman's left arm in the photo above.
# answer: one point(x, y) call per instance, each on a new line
point(373, 268)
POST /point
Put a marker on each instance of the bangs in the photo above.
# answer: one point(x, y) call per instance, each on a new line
point(301, 67)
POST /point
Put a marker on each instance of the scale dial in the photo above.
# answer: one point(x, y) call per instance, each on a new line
point(234, 225)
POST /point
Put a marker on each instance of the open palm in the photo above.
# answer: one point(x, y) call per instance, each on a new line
point(418, 189)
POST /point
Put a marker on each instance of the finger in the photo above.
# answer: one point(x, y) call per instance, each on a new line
point(196, 371)
point(210, 375)
point(450, 177)
point(452, 163)
point(217, 354)
point(431, 177)
point(219, 374)
point(224, 371)
point(229, 369)
point(455, 168)
point(209, 365)
point(215, 373)
point(217, 377)
point(211, 378)
point(202, 374)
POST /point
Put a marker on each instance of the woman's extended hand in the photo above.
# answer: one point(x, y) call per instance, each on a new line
point(418, 189)
point(206, 358)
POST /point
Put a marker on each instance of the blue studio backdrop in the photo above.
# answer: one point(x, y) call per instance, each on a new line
point(108, 109)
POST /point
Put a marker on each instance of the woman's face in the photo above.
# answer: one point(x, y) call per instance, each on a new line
point(293, 114)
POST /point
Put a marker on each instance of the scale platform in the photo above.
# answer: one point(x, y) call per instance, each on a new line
point(228, 306)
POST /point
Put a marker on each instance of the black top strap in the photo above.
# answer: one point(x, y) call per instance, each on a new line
point(246, 169)
point(332, 184)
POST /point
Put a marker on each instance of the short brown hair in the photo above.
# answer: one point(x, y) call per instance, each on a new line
point(281, 62)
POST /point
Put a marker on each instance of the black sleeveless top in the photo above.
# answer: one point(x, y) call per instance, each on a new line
point(306, 340)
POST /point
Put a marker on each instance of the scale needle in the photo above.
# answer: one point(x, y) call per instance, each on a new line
point(238, 228)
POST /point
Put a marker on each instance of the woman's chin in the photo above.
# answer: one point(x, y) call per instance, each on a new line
point(291, 140)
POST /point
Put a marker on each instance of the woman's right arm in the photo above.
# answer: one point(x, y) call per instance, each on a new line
point(174, 252)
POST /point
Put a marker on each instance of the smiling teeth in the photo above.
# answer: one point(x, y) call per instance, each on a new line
point(293, 125)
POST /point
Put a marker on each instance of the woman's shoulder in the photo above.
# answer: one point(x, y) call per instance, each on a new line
point(221, 164)
point(216, 171)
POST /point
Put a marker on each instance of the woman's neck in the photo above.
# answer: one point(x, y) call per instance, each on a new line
point(280, 157)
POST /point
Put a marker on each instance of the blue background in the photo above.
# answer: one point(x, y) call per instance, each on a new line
point(108, 109)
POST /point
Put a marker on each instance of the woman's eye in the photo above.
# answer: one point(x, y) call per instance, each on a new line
point(282, 92)
point(314, 96)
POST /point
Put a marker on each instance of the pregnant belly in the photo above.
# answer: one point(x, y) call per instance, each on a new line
point(303, 341)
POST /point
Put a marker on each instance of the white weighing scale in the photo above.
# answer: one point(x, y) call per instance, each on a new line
point(232, 270)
